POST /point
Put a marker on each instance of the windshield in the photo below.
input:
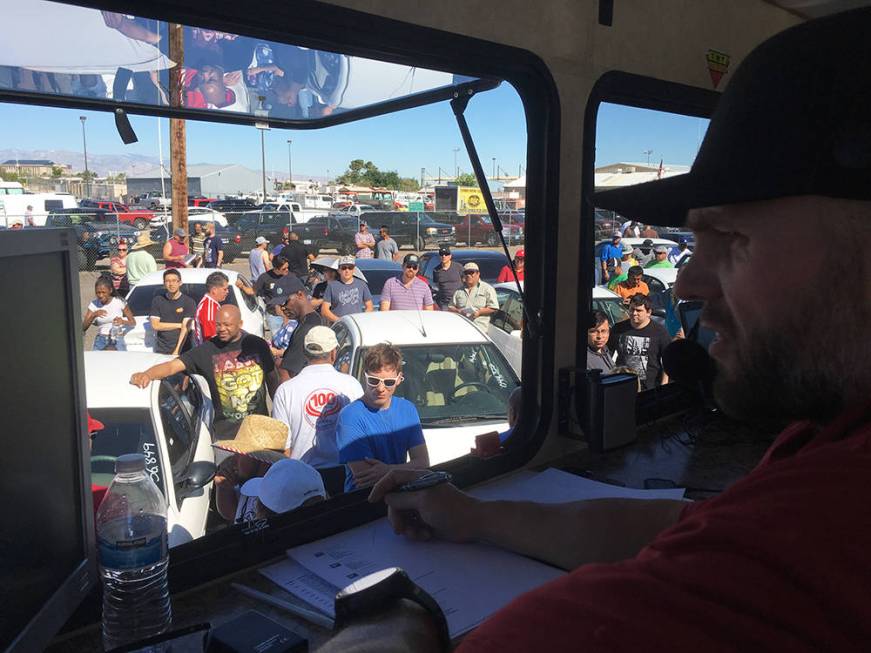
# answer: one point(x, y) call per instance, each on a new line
point(377, 278)
point(139, 299)
point(126, 430)
point(348, 223)
point(455, 383)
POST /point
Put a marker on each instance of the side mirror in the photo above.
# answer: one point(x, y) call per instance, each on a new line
point(199, 475)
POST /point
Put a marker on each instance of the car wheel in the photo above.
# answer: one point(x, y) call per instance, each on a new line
point(492, 240)
point(421, 244)
point(140, 223)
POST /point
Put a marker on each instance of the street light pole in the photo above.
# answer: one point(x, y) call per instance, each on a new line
point(494, 167)
point(456, 169)
point(289, 166)
point(263, 160)
point(85, 148)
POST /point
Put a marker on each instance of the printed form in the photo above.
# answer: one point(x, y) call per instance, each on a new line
point(469, 581)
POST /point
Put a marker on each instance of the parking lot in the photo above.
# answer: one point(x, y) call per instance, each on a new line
point(87, 279)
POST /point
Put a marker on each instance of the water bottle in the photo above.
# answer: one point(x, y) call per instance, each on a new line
point(133, 555)
point(263, 57)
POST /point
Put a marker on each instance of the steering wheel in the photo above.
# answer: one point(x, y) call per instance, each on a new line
point(468, 384)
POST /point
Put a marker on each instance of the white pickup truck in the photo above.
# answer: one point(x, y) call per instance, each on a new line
point(152, 200)
point(273, 209)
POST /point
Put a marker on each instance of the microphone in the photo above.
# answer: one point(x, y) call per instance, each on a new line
point(688, 363)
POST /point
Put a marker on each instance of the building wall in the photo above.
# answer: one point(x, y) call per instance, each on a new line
point(140, 185)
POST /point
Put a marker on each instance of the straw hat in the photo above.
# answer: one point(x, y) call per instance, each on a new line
point(143, 240)
point(259, 437)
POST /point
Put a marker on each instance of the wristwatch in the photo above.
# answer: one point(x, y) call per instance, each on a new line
point(373, 593)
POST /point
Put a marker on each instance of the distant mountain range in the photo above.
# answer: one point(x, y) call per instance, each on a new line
point(102, 164)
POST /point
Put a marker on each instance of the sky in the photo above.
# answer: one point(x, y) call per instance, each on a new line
point(407, 141)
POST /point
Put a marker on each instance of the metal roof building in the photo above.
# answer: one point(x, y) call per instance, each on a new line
point(213, 180)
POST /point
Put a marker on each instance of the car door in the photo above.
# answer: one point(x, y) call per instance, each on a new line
point(185, 441)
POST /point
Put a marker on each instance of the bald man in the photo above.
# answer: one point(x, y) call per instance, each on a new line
point(238, 367)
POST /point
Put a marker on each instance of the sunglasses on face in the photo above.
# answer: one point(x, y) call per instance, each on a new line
point(470, 272)
point(413, 266)
point(375, 381)
point(346, 267)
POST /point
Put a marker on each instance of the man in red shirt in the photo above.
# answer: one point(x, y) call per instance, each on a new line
point(519, 264)
point(779, 561)
point(217, 288)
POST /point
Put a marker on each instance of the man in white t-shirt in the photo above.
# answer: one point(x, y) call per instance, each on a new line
point(310, 402)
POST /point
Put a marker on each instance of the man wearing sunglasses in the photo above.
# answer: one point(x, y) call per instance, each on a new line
point(448, 276)
point(380, 432)
point(406, 292)
point(346, 295)
point(476, 299)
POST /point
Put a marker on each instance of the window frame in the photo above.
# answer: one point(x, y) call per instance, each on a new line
point(315, 25)
point(638, 91)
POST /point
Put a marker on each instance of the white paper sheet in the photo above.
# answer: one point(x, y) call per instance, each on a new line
point(303, 584)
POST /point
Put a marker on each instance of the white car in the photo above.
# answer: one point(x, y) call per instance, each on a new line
point(634, 242)
point(193, 284)
point(168, 422)
point(201, 213)
point(505, 326)
point(454, 374)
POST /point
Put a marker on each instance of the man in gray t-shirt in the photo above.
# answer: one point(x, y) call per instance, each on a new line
point(448, 277)
point(386, 248)
point(346, 295)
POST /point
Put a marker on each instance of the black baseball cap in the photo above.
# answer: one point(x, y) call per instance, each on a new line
point(286, 286)
point(444, 249)
point(794, 120)
point(413, 259)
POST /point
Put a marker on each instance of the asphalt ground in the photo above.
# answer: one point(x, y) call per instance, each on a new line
point(87, 279)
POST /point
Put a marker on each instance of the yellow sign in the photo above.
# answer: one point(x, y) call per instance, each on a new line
point(471, 200)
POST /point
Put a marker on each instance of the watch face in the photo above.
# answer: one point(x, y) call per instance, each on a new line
point(368, 581)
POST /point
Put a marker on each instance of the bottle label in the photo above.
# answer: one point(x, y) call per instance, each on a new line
point(124, 552)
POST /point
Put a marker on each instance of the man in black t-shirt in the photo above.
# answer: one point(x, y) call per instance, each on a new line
point(298, 255)
point(213, 249)
point(170, 315)
point(639, 342)
point(298, 307)
point(448, 277)
point(238, 367)
point(267, 285)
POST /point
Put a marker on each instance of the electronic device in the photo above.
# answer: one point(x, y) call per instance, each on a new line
point(602, 405)
point(47, 552)
point(375, 592)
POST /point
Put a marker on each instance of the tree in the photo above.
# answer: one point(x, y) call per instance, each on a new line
point(366, 173)
point(408, 184)
point(9, 176)
point(57, 172)
point(467, 179)
point(90, 175)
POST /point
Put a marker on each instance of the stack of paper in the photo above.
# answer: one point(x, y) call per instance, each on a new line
point(469, 581)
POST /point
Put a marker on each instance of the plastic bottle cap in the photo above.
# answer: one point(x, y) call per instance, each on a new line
point(129, 463)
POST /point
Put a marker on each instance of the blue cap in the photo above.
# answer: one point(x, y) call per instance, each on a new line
point(682, 240)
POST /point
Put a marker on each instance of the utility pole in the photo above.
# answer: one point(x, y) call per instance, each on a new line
point(648, 153)
point(456, 168)
point(422, 173)
point(494, 167)
point(263, 160)
point(85, 148)
point(289, 166)
point(177, 132)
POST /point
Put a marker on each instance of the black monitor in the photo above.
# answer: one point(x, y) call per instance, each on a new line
point(47, 553)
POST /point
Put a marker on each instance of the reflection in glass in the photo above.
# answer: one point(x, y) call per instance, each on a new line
point(106, 55)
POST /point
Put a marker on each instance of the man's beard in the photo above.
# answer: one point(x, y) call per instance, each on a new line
point(799, 370)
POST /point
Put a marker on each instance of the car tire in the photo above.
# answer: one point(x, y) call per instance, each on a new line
point(420, 244)
point(140, 223)
point(492, 240)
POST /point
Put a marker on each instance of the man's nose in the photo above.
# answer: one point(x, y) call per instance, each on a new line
point(697, 280)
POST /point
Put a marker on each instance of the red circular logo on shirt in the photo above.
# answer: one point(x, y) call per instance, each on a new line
point(321, 403)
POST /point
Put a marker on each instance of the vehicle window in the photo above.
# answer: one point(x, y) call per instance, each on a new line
point(125, 430)
point(188, 395)
point(140, 297)
point(249, 300)
point(318, 219)
point(613, 308)
point(377, 278)
point(513, 314)
point(451, 382)
point(428, 264)
point(178, 431)
point(345, 348)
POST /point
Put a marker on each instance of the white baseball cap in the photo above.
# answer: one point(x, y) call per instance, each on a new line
point(287, 485)
point(320, 340)
point(260, 240)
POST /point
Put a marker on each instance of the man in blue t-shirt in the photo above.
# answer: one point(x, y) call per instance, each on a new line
point(610, 257)
point(347, 294)
point(379, 432)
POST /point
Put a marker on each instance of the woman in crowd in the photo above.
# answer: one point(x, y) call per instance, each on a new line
point(111, 314)
point(118, 268)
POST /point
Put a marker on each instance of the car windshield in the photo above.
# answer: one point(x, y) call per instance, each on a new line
point(348, 223)
point(490, 267)
point(139, 299)
point(451, 384)
point(65, 219)
point(377, 278)
point(126, 430)
point(613, 307)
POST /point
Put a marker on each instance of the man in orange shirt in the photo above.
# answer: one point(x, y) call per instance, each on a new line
point(633, 284)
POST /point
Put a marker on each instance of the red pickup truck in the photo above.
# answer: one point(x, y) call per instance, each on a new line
point(477, 228)
point(138, 218)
